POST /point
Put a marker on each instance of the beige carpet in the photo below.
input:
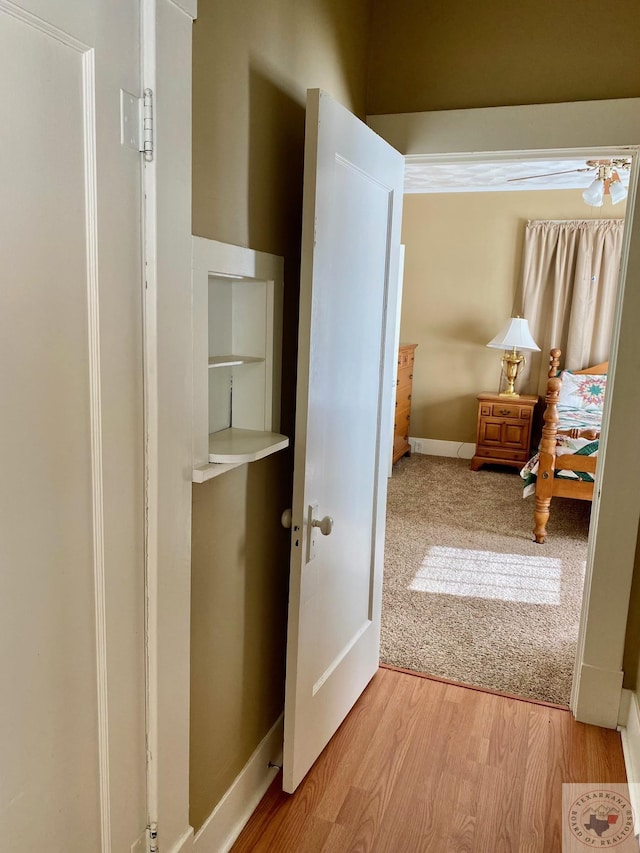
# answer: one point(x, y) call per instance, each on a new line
point(468, 595)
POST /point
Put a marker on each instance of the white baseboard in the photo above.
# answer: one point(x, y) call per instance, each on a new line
point(630, 733)
point(625, 706)
point(596, 696)
point(184, 844)
point(435, 447)
point(227, 820)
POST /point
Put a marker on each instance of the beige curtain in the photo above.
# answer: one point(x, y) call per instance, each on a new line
point(569, 283)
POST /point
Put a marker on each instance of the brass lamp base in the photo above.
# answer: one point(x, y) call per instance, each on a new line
point(513, 363)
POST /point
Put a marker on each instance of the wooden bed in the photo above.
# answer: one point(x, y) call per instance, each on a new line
point(547, 484)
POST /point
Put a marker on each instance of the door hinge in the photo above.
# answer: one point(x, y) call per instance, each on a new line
point(136, 122)
point(152, 838)
point(147, 125)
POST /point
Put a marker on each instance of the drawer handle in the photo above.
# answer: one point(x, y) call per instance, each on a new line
point(411, 376)
point(504, 411)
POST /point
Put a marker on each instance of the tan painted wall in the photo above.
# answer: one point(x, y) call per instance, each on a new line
point(253, 62)
point(429, 55)
point(462, 265)
point(238, 617)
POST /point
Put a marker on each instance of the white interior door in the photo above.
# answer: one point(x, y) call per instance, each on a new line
point(72, 495)
point(350, 248)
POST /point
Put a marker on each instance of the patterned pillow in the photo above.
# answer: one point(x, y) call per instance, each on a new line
point(582, 390)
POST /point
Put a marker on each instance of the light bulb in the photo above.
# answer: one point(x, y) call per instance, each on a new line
point(594, 194)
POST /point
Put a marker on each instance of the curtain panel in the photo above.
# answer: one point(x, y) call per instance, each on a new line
point(569, 286)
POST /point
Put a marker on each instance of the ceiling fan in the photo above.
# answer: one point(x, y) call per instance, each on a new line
point(606, 182)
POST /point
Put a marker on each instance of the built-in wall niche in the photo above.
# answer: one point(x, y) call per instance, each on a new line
point(237, 334)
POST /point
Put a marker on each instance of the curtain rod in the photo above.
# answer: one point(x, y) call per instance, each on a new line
point(562, 221)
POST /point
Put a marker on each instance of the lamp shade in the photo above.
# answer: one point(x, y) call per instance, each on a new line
point(617, 191)
point(515, 333)
point(594, 193)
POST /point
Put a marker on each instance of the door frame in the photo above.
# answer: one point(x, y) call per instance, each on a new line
point(541, 131)
point(166, 33)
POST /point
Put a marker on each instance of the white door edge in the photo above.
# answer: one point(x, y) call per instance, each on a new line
point(148, 36)
point(396, 344)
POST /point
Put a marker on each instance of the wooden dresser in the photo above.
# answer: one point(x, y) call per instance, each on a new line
point(401, 446)
point(504, 430)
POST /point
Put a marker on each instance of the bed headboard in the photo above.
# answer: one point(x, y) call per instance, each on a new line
point(603, 367)
point(554, 366)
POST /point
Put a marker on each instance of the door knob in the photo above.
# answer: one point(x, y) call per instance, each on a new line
point(286, 518)
point(325, 524)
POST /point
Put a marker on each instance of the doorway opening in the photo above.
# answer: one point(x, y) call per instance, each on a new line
point(468, 595)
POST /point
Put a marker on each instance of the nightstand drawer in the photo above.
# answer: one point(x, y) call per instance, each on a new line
point(498, 455)
point(505, 410)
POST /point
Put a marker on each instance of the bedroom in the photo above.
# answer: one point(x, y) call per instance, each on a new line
point(454, 301)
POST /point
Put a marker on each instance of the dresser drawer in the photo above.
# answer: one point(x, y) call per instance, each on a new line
point(400, 446)
point(405, 377)
point(402, 420)
point(404, 382)
point(405, 359)
point(403, 396)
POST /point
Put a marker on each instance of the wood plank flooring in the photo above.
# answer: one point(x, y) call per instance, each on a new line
point(421, 765)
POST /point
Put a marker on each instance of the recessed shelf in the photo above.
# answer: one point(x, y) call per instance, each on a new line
point(237, 297)
point(236, 445)
point(214, 469)
point(233, 360)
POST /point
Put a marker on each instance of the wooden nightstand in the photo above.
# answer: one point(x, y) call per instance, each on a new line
point(504, 430)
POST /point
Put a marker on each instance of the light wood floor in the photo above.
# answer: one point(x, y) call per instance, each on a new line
point(419, 765)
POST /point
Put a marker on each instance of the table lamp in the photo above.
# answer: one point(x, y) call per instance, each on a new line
point(513, 337)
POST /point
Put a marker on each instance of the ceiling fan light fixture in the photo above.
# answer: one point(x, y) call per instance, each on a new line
point(594, 194)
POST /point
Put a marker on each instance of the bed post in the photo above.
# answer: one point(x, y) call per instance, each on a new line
point(546, 465)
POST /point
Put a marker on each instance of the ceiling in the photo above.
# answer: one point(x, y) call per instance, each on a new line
point(424, 176)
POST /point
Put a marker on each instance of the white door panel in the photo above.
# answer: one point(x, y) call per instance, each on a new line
point(353, 197)
point(71, 502)
point(46, 511)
